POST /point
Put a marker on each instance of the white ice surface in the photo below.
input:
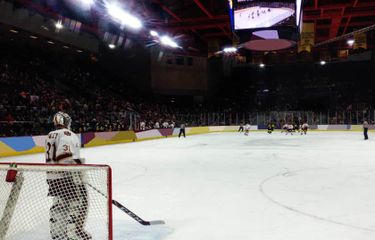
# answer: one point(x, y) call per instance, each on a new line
point(227, 186)
point(248, 18)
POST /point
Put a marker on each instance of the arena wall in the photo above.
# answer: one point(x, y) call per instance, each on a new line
point(13, 146)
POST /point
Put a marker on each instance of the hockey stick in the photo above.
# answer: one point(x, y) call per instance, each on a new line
point(127, 211)
point(134, 216)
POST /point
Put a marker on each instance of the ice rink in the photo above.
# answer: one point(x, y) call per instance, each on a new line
point(226, 186)
point(258, 17)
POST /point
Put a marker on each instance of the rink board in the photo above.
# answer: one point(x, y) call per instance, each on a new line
point(12, 146)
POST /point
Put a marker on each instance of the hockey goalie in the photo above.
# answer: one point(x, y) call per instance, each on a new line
point(69, 210)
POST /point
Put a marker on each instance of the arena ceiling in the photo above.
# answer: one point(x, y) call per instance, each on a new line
point(209, 18)
point(201, 23)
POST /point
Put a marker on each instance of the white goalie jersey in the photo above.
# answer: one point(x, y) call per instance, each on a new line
point(62, 147)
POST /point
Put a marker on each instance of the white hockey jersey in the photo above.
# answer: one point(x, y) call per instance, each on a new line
point(62, 147)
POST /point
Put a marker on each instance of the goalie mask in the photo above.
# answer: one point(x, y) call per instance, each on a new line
point(62, 119)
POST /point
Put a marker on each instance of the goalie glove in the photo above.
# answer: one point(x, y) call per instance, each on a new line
point(80, 161)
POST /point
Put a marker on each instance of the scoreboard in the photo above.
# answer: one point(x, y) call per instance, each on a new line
point(267, 20)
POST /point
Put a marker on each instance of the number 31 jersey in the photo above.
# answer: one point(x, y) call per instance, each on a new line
point(62, 147)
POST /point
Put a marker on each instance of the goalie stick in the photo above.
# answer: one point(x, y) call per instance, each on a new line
point(127, 211)
point(134, 216)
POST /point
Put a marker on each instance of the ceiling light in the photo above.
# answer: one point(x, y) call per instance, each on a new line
point(230, 50)
point(123, 17)
point(167, 41)
point(350, 42)
point(154, 33)
point(59, 25)
point(86, 4)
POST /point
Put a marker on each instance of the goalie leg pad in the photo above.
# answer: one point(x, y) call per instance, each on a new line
point(58, 218)
point(78, 210)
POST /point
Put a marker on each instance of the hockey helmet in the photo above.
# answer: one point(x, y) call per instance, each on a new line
point(62, 119)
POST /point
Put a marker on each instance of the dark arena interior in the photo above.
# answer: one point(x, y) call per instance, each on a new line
point(234, 85)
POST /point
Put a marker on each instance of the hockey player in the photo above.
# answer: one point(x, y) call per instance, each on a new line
point(270, 127)
point(247, 129)
point(290, 129)
point(284, 128)
point(365, 129)
point(241, 128)
point(70, 200)
point(296, 127)
point(304, 128)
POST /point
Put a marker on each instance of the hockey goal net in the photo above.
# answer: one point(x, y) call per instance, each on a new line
point(45, 201)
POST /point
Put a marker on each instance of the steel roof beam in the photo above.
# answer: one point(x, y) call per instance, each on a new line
point(202, 7)
point(166, 9)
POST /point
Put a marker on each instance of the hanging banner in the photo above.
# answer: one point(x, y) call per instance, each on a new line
point(307, 37)
point(343, 53)
point(360, 41)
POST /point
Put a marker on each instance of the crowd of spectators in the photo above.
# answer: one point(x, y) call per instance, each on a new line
point(28, 102)
point(29, 96)
point(34, 87)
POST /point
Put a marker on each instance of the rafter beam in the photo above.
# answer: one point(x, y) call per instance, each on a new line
point(203, 8)
point(166, 9)
point(355, 3)
point(211, 16)
point(335, 25)
point(340, 5)
point(352, 14)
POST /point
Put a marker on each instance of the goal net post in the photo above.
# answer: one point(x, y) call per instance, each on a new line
point(46, 201)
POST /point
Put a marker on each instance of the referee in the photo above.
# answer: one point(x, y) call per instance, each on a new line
point(365, 129)
point(182, 130)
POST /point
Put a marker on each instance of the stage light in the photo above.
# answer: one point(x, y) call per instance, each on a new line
point(323, 62)
point(154, 33)
point(122, 16)
point(111, 46)
point(230, 50)
point(86, 4)
point(59, 25)
point(167, 41)
point(350, 42)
